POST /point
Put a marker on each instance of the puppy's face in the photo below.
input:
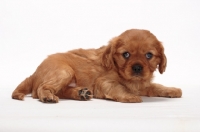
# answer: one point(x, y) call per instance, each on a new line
point(136, 54)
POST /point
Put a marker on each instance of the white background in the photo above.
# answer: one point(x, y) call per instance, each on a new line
point(32, 29)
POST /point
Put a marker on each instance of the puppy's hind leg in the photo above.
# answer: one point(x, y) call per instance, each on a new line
point(52, 85)
point(46, 94)
point(76, 93)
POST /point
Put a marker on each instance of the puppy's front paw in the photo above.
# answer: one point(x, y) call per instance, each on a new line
point(173, 93)
point(130, 99)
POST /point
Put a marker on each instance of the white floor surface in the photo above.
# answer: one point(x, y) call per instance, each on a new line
point(153, 114)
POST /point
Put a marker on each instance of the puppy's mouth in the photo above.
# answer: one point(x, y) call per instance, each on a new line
point(137, 76)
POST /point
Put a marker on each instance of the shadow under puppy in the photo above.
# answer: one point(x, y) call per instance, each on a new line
point(121, 71)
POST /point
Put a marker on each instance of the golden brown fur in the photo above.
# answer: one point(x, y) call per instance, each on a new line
point(121, 71)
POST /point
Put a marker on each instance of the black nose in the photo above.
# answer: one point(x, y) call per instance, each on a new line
point(137, 68)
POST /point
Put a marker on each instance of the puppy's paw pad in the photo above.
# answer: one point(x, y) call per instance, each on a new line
point(85, 94)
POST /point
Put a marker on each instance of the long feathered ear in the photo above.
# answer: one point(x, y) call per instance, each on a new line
point(163, 62)
point(107, 56)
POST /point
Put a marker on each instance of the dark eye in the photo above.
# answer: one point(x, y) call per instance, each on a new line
point(126, 55)
point(149, 55)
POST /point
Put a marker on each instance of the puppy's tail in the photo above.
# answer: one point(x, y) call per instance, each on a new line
point(22, 89)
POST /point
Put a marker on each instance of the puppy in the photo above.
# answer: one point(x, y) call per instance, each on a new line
point(121, 71)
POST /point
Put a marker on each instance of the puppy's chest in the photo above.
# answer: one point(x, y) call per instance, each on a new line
point(135, 87)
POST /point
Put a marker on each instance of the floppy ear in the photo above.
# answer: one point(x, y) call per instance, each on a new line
point(107, 55)
point(163, 61)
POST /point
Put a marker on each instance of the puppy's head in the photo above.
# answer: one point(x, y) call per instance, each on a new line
point(135, 54)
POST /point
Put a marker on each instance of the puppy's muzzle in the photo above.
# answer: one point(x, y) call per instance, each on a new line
point(137, 68)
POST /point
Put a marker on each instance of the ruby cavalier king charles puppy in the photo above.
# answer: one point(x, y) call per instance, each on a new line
point(121, 71)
